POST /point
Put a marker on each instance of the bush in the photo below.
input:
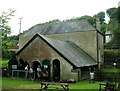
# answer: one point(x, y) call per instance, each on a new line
point(7, 54)
point(110, 55)
point(99, 75)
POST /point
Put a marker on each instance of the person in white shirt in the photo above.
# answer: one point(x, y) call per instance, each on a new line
point(26, 71)
point(39, 71)
point(92, 73)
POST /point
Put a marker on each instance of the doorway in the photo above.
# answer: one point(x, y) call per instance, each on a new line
point(35, 65)
point(56, 70)
point(46, 67)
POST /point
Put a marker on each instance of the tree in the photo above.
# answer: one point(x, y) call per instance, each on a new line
point(6, 29)
point(101, 16)
point(112, 13)
point(5, 18)
point(113, 27)
point(103, 27)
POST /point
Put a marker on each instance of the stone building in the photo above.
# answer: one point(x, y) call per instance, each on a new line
point(66, 49)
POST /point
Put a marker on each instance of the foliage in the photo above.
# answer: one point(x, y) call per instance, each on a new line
point(112, 13)
point(113, 26)
point(4, 62)
point(103, 28)
point(118, 14)
point(101, 16)
point(4, 24)
point(6, 29)
point(110, 54)
point(5, 49)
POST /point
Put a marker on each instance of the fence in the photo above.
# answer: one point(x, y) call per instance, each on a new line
point(23, 74)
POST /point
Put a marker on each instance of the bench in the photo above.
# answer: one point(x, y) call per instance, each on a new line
point(45, 85)
point(107, 87)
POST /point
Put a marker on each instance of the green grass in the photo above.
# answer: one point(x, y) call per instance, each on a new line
point(9, 83)
point(85, 85)
point(110, 69)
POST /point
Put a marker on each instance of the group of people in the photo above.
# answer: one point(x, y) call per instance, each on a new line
point(29, 72)
point(42, 74)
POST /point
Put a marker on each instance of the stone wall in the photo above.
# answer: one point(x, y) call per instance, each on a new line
point(39, 50)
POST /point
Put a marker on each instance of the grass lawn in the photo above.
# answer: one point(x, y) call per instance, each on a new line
point(9, 83)
point(112, 69)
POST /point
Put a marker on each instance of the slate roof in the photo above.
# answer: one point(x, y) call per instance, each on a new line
point(68, 50)
point(60, 27)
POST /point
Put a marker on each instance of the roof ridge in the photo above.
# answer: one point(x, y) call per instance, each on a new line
point(68, 26)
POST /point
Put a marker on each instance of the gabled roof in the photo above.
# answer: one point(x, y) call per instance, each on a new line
point(68, 50)
point(60, 27)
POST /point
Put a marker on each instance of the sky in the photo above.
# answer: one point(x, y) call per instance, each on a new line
point(34, 12)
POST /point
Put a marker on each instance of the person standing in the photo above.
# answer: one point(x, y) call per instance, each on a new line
point(26, 71)
point(92, 74)
point(39, 71)
point(92, 77)
point(31, 73)
point(45, 75)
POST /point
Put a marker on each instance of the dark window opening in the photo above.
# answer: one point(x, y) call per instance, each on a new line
point(56, 70)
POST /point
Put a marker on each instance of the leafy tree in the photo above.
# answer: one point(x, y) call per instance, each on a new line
point(101, 16)
point(5, 18)
point(113, 27)
point(103, 27)
point(6, 29)
point(112, 13)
